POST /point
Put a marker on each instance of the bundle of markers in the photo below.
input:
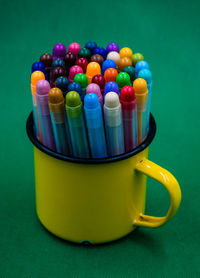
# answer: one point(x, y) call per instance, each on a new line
point(91, 101)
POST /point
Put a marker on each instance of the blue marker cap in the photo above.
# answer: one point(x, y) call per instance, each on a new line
point(139, 66)
point(146, 75)
point(91, 101)
point(111, 87)
point(108, 64)
point(62, 83)
point(58, 63)
point(38, 66)
point(101, 51)
point(75, 86)
point(90, 45)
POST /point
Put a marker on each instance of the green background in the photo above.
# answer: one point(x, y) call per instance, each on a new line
point(167, 33)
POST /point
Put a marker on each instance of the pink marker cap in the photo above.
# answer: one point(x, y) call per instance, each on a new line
point(74, 48)
point(73, 71)
point(95, 89)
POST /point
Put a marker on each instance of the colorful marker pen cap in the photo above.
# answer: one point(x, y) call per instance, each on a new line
point(110, 75)
point(101, 51)
point(136, 57)
point(131, 72)
point(90, 45)
point(97, 58)
point(123, 79)
point(56, 97)
point(35, 77)
point(127, 98)
point(46, 59)
point(69, 60)
point(74, 86)
point(114, 56)
point(111, 87)
point(73, 71)
point(126, 52)
point(38, 66)
point(141, 91)
point(146, 75)
point(58, 63)
point(84, 53)
point(91, 101)
point(108, 64)
point(73, 100)
point(139, 66)
point(111, 100)
point(56, 73)
point(99, 80)
point(112, 47)
point(43, 87)
point(94, 88)
point(124, 62)
point(81, 78)
point(93, 69)
point(62, 83)
point(59, 51)
point(74, 48)
point(82, 62)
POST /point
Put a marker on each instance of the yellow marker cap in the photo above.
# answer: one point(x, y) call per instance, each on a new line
point(126, 52)
point(55, 96)
point(140, 86)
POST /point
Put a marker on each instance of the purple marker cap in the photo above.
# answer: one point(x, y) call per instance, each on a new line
point(112, 47)
point(59, 51)
point(95, 89)
point(42, 96)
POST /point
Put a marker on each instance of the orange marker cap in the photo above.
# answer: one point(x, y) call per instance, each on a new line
point(110, 75)
point(36, 76)
point(93, 69)
point(55, 96)
point(140, 86)
point(124, 62)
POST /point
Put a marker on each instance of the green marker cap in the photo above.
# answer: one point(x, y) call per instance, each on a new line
point(81, 78)
point(123, 79)
point(136, 58)
point(131, 72)
point(84, 53)
point(73, 104)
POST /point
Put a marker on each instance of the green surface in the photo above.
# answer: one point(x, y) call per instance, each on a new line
point(167, 34)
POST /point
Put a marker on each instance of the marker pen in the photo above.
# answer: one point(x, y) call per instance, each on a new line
point(62, 83)
point(74, 48)
point(129, 115)
point(77, 127)
point(131, 72)
point(73, 71)
point(99, 80)
point(141, 93)
point(46, 59)
point(57, 72)
point(126, 52)
point(90, 45)
point(140, 66)
point(95, 126)
point(124, 62)
point(136, 57)
point(101, 51)
point(111, 87)
point(113, 124)
point(112, 47)
point(42, 91)
point(59, 121)
point(146, 75)
point(59, 51)
point(95, 89)
point(74, 86)
point(57, 63)
point(35, 77)
point(113, 55)
point(93, 69)
point(69, 60)
point(39, 66)
point(82, 62)
point(108, 63)
point(110, 75)
point(123, 79)
point(81, 78)
point(84, 53)
point(97, 58)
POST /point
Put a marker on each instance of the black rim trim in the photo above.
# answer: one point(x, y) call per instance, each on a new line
point(37, 144)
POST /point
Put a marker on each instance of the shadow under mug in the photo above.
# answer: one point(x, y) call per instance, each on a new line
point(97, 200)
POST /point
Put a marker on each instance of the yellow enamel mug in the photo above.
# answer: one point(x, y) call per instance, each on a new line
point(97, 200)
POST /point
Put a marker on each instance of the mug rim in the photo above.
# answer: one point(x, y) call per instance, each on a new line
point(41, 147)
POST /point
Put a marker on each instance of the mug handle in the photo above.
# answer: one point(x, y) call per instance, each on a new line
point(158, 173)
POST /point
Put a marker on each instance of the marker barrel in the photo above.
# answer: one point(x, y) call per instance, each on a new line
point(114, 130)
point(77, 131)
point(142, 116)
point(45, 122)
point(96, 133)
point(130, 124)
point(149, 86)
point(60, 128)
